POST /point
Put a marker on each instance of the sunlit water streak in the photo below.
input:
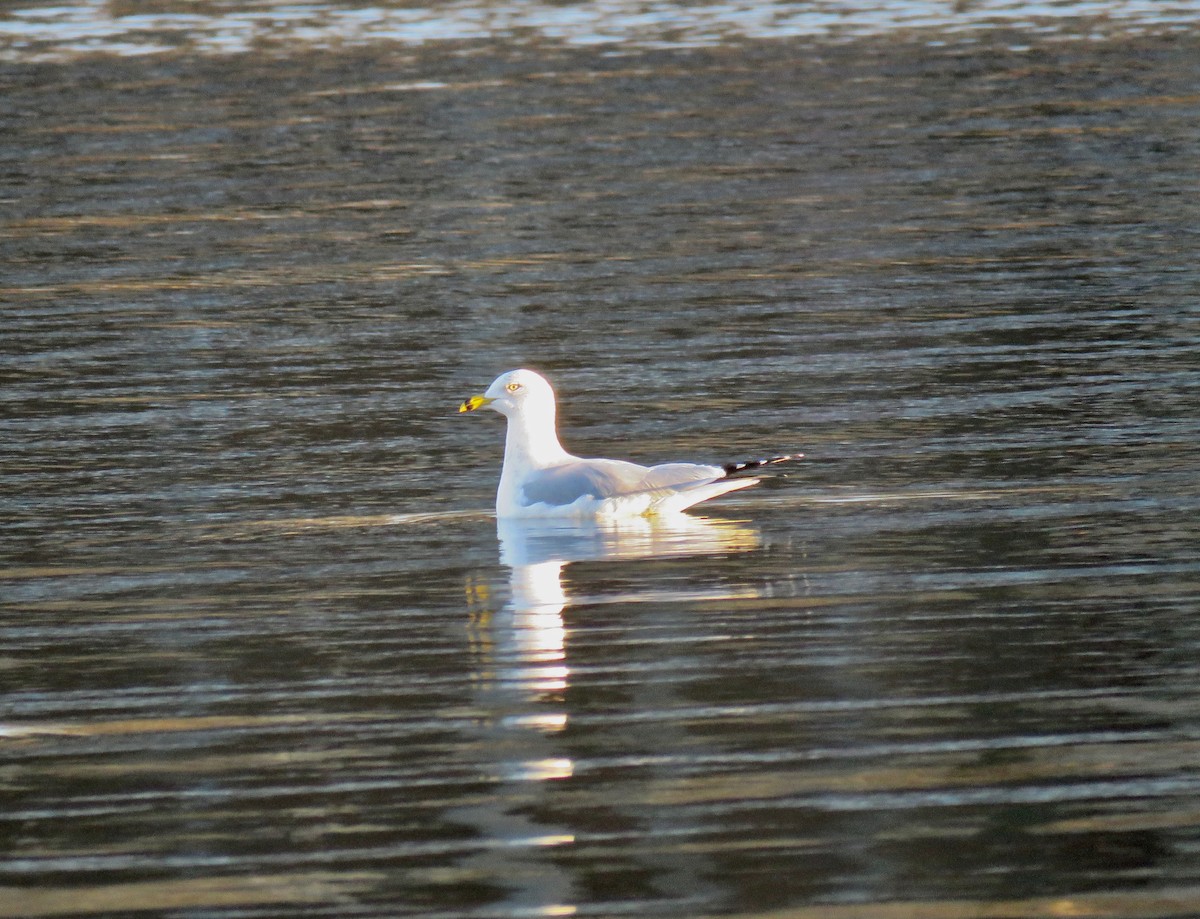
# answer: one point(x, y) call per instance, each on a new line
point(61, 30)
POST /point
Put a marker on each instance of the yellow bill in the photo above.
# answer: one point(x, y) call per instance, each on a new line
point(473, 403)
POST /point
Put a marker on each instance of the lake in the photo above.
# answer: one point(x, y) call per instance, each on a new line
point(265, 649)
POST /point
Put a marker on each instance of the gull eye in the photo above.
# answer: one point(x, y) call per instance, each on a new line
point(513, 387)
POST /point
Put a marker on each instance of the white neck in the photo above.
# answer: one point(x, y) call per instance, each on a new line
point(532, 441)
point(531, 444)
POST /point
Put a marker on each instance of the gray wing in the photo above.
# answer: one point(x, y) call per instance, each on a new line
point(562, 485)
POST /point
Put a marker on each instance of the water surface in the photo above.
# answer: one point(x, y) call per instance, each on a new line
point(264, 650)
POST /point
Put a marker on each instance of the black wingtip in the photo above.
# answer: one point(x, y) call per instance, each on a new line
point(735, 468)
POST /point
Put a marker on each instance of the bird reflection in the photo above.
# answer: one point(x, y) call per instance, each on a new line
point(521, 647)
point(522, 676)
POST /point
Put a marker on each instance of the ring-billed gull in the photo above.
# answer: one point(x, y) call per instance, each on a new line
point(541, 479)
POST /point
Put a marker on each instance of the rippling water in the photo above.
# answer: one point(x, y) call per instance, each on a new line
point(264, 650)
point(134, 28)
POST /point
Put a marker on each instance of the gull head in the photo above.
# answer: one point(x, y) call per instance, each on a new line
point(515, 393)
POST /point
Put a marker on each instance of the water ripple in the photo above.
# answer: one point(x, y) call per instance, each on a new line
point(64, 30)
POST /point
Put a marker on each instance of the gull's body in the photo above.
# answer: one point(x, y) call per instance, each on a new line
point(541, 479)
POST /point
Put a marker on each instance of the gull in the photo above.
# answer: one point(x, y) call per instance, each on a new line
point(541, 479)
